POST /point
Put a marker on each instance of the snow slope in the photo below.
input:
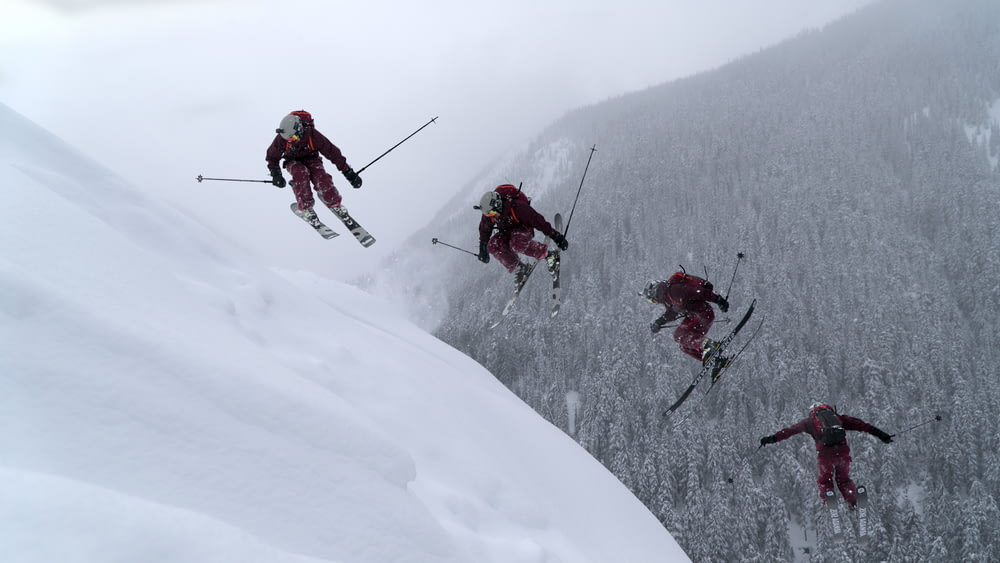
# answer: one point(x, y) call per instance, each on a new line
point(164, 399)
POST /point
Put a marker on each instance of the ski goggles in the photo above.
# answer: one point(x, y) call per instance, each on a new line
point(649, 292)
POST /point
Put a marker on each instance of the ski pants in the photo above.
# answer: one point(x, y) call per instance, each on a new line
point(692, 330)
point(505, 246)
point(310, 170)
point(836, 468)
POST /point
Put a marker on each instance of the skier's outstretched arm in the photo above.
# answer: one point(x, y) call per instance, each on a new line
point(851, 423)
point(785, 433)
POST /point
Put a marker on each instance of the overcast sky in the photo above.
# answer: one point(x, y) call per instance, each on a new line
point(162, 91)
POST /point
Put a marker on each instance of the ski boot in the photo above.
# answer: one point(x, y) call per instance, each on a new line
point(707, 350)
point(721, 363)
point(310, 216)
point(340, 211)
point(552, 261)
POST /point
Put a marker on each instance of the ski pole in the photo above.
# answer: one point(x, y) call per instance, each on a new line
point(436, 241)
point(739, 256)
point(570, 220)
point(396, 145)
point(928, 421)
point(200, 178)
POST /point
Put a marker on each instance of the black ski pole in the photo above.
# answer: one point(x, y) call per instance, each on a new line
point(396, 145)
point(200, 178)
point(936, 418)
point(570, 220)
point(739, 256)
point(436, 241)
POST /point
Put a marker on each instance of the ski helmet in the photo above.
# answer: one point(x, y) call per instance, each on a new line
point(490, 203)
point(293, 125)
point(817, 406)
point(649, 292)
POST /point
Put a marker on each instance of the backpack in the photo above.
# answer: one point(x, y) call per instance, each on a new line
point(831, 432)
point(684, 278)
point(511, 192)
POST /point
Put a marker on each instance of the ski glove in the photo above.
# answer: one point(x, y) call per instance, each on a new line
point(722, 303)
point(276, 178)
point(767, 440)
point(484, 256)
point(655, 326)
point(353, 178)
point(560, 241)
point(887, 438)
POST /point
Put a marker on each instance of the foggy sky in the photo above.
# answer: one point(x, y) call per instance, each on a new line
point(163, 91)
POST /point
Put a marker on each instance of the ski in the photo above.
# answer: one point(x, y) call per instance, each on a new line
point(835, 524)
point(864, 530)
point(554, 263)
point(357, 230)
point(717, 373)
point(517, 290)
point(314, 222)
point(513, 299)
point(713, 365)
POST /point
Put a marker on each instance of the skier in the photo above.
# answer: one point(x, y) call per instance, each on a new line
point(829, 430)
point(687, 296)
point(509, 211)
point(301, 145)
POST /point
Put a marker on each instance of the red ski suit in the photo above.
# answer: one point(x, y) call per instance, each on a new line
point(515, 225)
point(303, 162)
point(692, 303)
point(834, 461)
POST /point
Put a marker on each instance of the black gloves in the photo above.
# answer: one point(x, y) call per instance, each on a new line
point(353, 178)
point(722, 303)
point(276, 178)
point(484, 256)
point(655, 326)
point(767, 440)
point(560, 241)
point(887, 438)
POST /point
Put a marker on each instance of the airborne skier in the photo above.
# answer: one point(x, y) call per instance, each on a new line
point(829, 430)
point(301, 145)
point(506, 209)
point(686, 296)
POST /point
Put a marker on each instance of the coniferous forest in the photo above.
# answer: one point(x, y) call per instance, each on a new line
point(857, 168)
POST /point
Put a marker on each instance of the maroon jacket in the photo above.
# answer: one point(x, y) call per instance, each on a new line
point(809, 426)
point(513, 213)
point(309, 146)
point(682, 299)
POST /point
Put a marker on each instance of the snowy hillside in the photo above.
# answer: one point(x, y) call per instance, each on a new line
point(163, 399)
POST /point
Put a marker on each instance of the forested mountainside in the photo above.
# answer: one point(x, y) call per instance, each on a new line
point(856, 167)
